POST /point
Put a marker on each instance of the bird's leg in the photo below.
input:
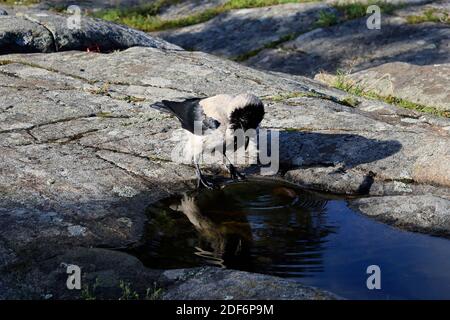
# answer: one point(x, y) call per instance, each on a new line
point(201, 181)
point(234, 173)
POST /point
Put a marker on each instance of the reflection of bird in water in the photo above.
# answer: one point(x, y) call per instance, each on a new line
point(257, 226)
point(229, 239)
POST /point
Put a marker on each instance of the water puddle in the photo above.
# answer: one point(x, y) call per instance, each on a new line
point(275, 228)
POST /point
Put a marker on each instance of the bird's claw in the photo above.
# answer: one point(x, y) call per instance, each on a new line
point(202, 182)
point(235, 174)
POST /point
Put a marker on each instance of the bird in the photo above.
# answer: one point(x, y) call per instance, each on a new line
point(209, 121)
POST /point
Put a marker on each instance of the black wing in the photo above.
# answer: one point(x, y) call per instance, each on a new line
point(188, 111)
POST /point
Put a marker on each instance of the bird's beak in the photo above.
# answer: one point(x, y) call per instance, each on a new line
point(247, 139)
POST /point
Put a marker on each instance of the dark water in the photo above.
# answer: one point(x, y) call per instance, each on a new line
point(278, 229)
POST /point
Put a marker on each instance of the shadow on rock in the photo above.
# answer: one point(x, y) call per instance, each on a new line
point(237, 33)
point(352, 46)
point(344, 151)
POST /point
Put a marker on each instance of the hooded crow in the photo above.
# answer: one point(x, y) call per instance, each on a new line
point(210, 123)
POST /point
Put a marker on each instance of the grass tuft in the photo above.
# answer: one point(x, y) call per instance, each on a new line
point(356, 10)
point(326, 19)
point(88, 293)
point(430, 15)
point(127, 292)
point(343, 83)
point(346, 11)
point(19, 2)
point(145, 17)
point(281, 97)
point(5, 62)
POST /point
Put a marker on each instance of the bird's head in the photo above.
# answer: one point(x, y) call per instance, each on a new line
point(245, 112)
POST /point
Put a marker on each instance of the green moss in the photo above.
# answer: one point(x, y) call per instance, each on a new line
point(19, 2)
point(326, 19)
point(281, 97)
point(145, 17)
point(347, 11)
point(103, 114)
point(415, 106)
point(239, 4)
point(430, 15)
point(342, 82)
point(358, 10)
point(150, 22)
point(350, 101)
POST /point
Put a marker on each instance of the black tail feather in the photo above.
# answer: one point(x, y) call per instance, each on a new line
point(187, 111)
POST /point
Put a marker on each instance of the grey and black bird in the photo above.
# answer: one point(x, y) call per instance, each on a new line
point(217, 116)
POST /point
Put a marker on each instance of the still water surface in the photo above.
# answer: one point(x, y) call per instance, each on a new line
point(278, 229)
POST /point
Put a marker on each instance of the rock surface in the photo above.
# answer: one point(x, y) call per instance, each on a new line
point(171, 9)
point(82, 170)
point(82, 155)
point(188, 7)
point(427, 85)
point(219, 284)
point(41, 31)
point(232, 33)
point(398, 52)
point(423, 213)
point(440, 7)
point(103, 274)
point(352, 47)
point(88, 4)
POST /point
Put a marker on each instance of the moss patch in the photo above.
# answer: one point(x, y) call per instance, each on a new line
point(346, 11)
point(430, 15)
point(5, 62)
point(343, 83)
point(326, 19)
point(358, 10)
point(145, 17)
point(19, 2)
point(289, 95)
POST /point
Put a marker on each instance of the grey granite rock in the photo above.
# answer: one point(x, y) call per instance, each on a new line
point(423, 213)
point(104, 275)
point(220, 284)
point(21, 35)
point(88, 4)
point(238, 32)
point(440, 7)
point(352, 47)
point(82, 154)
point(188, 7)
point(42, 31)
point(427, 85)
